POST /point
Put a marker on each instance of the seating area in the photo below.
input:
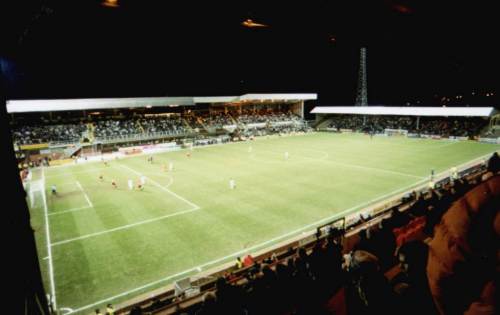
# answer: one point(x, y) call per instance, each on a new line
point(444, 126)
point(249, 117)
point(117, 127)
point(127, 127)
point(48, 133)
point(375, 266)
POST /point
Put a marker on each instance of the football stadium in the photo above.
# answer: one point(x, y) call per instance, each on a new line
point(151, 203)
point(230, 158)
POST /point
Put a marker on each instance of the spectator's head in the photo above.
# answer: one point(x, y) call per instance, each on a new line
point(364, 262)
point(221, 283)
point(494, 163)
point(209, 298)
point(412, 257)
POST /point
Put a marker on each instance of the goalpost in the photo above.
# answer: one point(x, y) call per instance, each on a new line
point(396, 132)
point(35, 188)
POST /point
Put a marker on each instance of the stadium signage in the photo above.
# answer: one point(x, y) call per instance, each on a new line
point(256, 125)
point(458, 138)
point(130, 150)
point(36, 146)
point(431, 136)
point(167, 145)
point(229, 128)
point(490, 140)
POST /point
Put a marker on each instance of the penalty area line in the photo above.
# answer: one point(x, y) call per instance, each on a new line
point(85, 194)
point(70, 210)
point(123, 227)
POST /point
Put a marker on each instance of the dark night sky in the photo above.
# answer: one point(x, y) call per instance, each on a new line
point(78, 48)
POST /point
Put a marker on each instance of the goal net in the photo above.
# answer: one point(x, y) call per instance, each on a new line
point(35, 190)
point(396, 132)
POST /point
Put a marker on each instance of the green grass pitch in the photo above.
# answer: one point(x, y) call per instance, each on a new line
point(109, 245)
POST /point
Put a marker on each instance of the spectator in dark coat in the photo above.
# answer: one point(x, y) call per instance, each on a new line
point(368, 291)
point(464, 255)
point(412, 286)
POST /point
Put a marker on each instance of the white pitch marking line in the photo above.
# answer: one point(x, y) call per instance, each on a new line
point(70, 210)
point(66, 309)
point(325, 159)
point(170, 179)
point(49, 247)
point(448, 143)
point(123, 227)
point(261, 244)
point(374, 169)
point(161, 187)
point(170, 182)
point(85, 194)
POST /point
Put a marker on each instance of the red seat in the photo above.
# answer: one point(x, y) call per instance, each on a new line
point(336, 305)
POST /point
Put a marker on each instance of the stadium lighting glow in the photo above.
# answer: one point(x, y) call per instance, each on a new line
point(251, 24)
point(110, 3)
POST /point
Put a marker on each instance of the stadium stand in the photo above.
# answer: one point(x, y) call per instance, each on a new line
point(107, 128)
point(443, 126)
point(48, 133)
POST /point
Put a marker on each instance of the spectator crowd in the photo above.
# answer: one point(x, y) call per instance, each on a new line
point(123, 126)
point(444, 126)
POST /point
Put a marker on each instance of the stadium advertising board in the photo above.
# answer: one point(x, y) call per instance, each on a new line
point(34, 146)
point(256, 125)
point(490, 140)
point(130, 150)
point(282, 123)
point(431, 136)
point(61, 162)
point(167, 145)
point(229, 128)
point(458, 138)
